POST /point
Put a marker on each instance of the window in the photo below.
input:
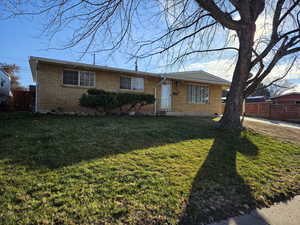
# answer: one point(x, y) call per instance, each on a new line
point(198, 94)
point(70, 77)
point(125, 83)
point(297, 102)
point(79, 78)
point(131, 83)
point(87, 79)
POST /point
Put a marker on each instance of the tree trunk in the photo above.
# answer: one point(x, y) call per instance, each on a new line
point(233, 109)
point(234, 103)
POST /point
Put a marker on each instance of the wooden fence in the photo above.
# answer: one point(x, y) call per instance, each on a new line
point(273, 111)
point(22, 100)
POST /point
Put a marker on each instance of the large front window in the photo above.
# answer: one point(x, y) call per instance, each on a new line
point(79, 78)
point(197, 94)
point(132, 83)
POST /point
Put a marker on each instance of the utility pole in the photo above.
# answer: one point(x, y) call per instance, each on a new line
point(136, 64)
point(94, 58)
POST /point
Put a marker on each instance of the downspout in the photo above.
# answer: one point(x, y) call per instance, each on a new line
point(155, 93)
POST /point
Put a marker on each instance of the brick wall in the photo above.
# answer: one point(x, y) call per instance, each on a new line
point(287, 99)
point(53, 95)
point(180, 103)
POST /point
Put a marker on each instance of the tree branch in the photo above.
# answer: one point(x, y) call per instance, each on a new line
point(207, 50)
point(220, 16)
point(255, 81)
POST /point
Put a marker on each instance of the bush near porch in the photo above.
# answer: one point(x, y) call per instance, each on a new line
point(107, 101)
point(137, 170)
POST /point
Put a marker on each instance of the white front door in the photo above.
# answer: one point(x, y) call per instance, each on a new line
point(165, 101)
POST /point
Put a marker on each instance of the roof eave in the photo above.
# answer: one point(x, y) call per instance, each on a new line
point(201, 81)
point(35, 60)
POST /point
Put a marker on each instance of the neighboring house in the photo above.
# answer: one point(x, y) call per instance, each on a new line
point(4, 86)
point(288, 99)
point(250, 99)
point(60, 84)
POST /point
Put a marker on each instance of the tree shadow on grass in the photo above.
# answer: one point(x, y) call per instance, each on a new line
point(218, 191)
point(56, 141)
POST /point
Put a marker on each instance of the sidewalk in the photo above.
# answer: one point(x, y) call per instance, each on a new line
point(285, 213)
point(274, 122)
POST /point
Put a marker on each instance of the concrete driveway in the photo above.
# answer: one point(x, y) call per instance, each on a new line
point(286, 213)
point(280, 130)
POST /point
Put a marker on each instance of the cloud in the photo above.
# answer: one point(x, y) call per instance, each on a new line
point(280, 70)
point(295, 89)
point(263, 31)
point(224, 68)
point(263, 26)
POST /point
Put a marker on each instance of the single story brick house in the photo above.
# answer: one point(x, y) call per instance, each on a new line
point(60, 84)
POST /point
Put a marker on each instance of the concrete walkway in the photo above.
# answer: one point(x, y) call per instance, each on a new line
point(286, 213)
point(274, 122)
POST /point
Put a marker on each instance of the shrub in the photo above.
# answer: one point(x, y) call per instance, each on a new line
point(108, 101)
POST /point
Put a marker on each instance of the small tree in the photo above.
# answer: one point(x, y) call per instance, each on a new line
point(11, 70)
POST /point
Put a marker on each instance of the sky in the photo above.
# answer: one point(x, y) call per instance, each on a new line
point(23, 38)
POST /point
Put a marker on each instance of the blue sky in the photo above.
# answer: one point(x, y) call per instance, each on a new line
point(296, 81)
point(22, 38)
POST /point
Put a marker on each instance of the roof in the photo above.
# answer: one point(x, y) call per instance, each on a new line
point(193, 76)
point(255, 97)
point(291, 93)
point(197, 76)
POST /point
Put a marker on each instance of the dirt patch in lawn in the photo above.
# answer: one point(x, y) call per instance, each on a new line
point(279, 132)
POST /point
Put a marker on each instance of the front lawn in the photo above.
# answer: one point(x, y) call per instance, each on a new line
point(137, 170)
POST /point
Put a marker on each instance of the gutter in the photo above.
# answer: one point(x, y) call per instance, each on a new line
point(33, 63)
point(36, 60)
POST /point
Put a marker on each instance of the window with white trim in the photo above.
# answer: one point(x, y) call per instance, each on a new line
point(197, 94)
point(132, 83)
point(79, 78)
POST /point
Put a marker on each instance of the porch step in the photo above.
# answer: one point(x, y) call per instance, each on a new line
point(163, 112)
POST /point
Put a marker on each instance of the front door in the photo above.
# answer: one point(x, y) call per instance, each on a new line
point(165, 102)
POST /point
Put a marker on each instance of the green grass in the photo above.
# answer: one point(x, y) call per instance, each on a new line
point(137, 170)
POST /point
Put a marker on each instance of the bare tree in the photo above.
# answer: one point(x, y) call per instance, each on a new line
point(179, 29)
point(279, 87)
point(261, 90)
point(11, 70)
